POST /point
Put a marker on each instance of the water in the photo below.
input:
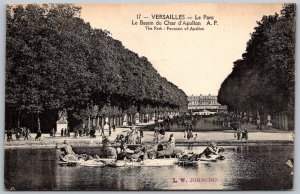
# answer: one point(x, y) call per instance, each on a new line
point(245, 168)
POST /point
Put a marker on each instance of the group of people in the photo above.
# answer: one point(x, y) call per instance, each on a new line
point(189, 134)
point(159, 132)
point(211, 152)
point(80, 132)
point(102, 130)
point(134, 136)
point(22, 132)
point(241, 134)
point(53, 132)
point(232, 118)
point(121, 152)
point(64, 132)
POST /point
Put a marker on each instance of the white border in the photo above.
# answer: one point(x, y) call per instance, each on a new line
point(3, 4)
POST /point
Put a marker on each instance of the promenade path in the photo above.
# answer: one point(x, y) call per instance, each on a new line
point(223, 137)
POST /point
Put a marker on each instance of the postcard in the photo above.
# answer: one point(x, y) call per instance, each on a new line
point(148, 97)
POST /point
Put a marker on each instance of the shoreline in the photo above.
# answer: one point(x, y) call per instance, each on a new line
point(92, 144)
point(222, 138)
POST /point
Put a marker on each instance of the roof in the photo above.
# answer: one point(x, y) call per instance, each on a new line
point(62, 121)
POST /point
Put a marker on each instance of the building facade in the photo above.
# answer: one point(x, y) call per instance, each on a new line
point(205, 103)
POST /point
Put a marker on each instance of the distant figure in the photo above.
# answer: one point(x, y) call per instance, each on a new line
point(102, 131)
point(172, 140)
point(87, 131)
point(92, 133)
point(238, 133)
point(109, 131)
point(190, 134)
point(258, 122)
point(68, 132)
point(114, 127)
point(244, 134)
point(141, 133)
point(156, 129)
point(26, 133)
point(18, 135)
point(38, 136)
point(75, 133)
point(9, 135)
point(62, 132)
point(52, 132)
point(106, 127)
point(195, 136)
point(162, 132)
point(156, 137)
point(184, 135)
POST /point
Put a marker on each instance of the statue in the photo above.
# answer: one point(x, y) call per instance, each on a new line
point(62, 114)
point(137, 118)
point(125, 120)
point(62, 123)
point(269, 121)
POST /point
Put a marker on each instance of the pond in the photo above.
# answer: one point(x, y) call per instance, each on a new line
point(245, 168)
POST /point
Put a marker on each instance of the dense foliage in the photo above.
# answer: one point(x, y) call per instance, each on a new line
point(55, 60)
point(264, 79)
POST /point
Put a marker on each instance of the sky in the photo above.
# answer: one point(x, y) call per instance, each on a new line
point(196, 61)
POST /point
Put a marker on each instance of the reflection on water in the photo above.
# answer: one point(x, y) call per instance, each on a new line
point(245, 168)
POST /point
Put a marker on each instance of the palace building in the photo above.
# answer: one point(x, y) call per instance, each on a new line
point(206, 104)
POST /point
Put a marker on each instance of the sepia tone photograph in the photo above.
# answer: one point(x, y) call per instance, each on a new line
point(149, 97)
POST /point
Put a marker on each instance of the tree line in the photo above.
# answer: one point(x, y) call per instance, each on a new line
point(55, 60)
point(264, 79)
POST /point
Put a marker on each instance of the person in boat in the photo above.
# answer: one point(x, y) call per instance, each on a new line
point(156, 137)
point(124, 153)
point(66, 148)
point(118, 139)
point(66, 152)
point(162, 132)
point(133, 136)
point(212, 149)
point(107, 150)
point(172, 140)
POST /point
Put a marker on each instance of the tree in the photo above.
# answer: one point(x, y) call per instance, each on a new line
point(56, 61)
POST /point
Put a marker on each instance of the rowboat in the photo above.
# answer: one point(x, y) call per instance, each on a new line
point(211, 159)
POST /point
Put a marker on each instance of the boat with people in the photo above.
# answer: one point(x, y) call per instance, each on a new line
point(141, 155)
point(82, 160)
point(212, 153)
point(153, 154)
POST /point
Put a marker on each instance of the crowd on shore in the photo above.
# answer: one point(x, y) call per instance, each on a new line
point(186, 122)
point(22, 132)
point(235, 120)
